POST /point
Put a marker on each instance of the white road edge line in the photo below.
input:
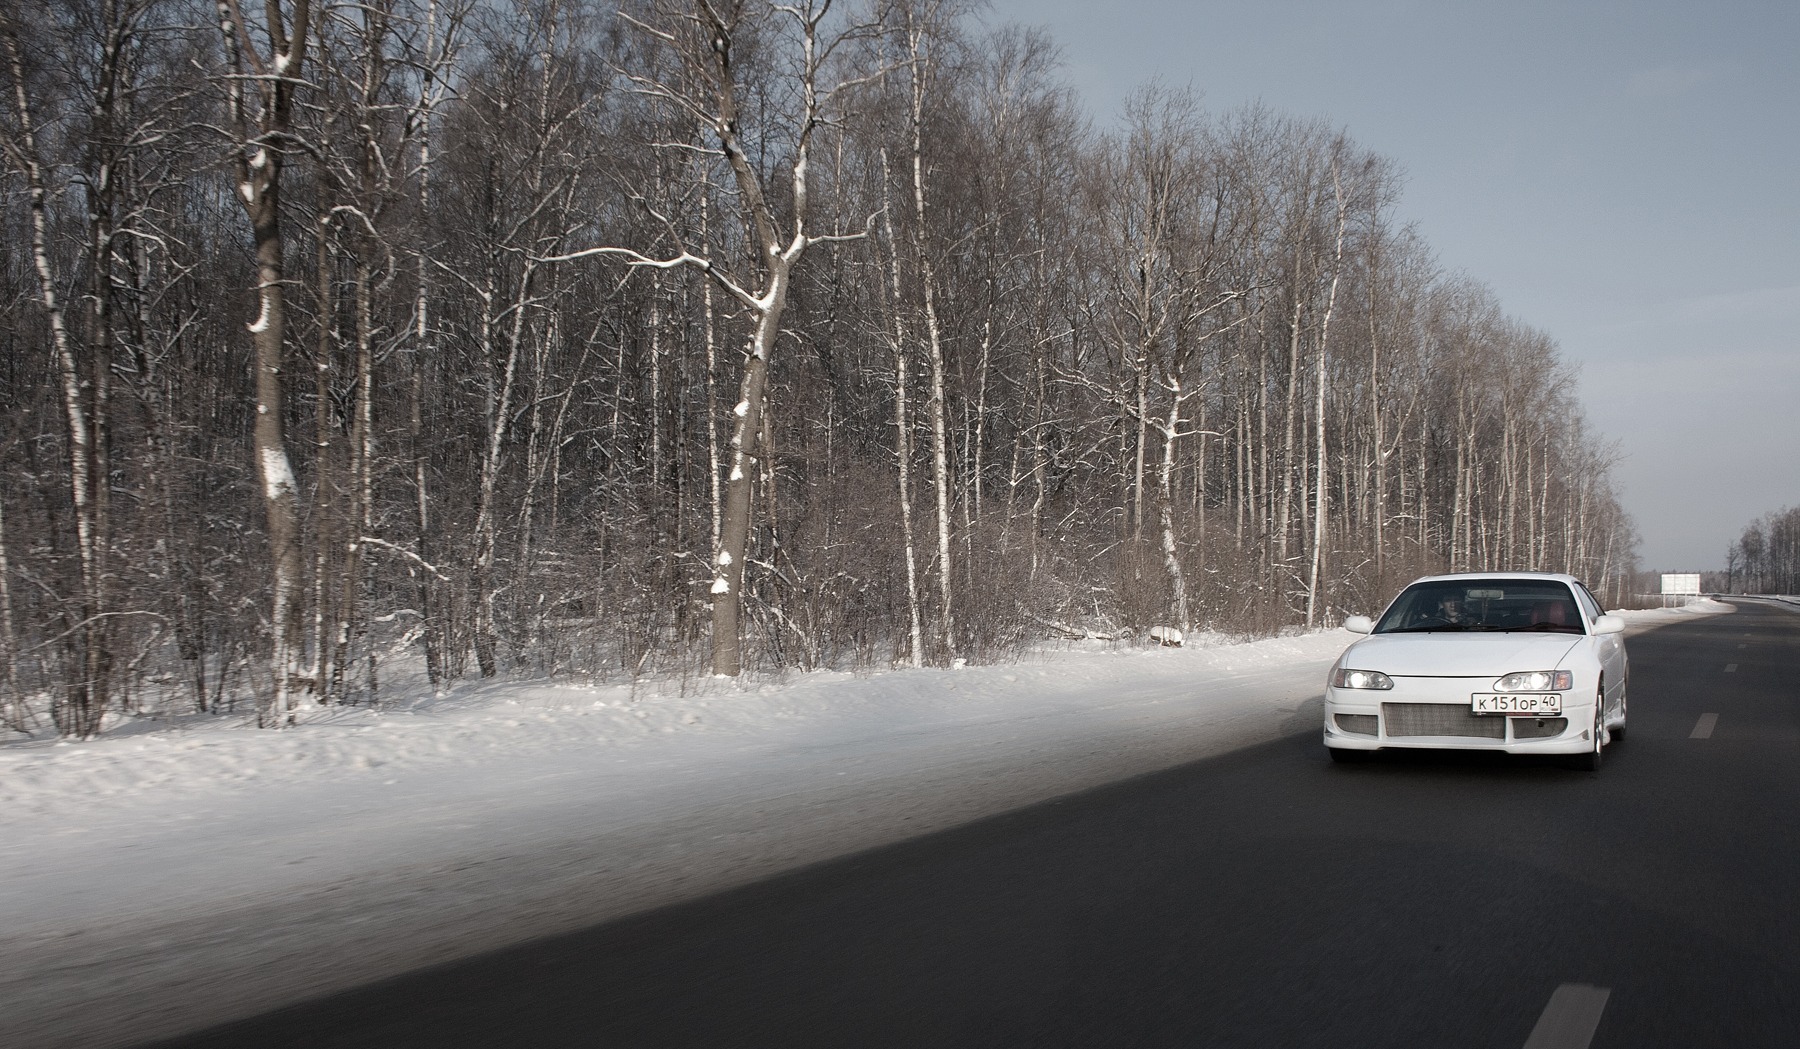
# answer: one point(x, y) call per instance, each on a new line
point(1570, 1018)
point(1703, 729)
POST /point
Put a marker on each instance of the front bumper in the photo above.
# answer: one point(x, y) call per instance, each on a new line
point(1435, 714)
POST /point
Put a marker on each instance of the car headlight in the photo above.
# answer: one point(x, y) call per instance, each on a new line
point(1343, 678)
point(1536, 681)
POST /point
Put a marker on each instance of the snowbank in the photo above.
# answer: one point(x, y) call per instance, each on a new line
point(149, 769)
point(179, 873)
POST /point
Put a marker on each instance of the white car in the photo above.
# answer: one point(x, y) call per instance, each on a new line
point(1522, 662)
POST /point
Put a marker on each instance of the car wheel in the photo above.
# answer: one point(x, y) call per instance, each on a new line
point(1348, 757)
point(1590, 760)
point(1618, 731)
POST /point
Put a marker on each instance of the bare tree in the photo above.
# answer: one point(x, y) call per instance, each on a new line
point(705, 38)
point(917, 29)
point(15, 714)
point(1321, 516)
point(260, 95)
point(903, 423)
point(93, 106)
point(83, 703)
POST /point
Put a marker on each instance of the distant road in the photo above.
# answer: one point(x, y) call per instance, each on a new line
point(1264, 897)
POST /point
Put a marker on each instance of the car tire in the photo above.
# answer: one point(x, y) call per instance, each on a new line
point(1348, 757)
point(1618, 732)
point(1590, 761)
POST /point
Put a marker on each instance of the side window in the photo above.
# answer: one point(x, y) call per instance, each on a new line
point(1589, 605)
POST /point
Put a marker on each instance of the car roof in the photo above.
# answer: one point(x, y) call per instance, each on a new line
point(1560, 577)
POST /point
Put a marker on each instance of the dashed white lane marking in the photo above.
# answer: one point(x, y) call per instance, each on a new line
point(1570, 1018)
point(1731, 668)
point(1703, 728)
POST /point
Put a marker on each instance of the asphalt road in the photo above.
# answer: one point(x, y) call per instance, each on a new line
point(1263, 898)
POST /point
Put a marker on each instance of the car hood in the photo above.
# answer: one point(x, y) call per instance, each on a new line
point(1459, 654)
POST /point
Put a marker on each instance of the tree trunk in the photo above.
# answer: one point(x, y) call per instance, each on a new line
point(903, 450)
point(262, 129)
point(13, 712)
point(935, 407)
point(1165, 507)
point(280, 494)
point(1320, 520)
point(81, 702)
point(734, 539)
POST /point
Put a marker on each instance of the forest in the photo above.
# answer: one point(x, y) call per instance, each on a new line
point(672, 339)
point(1765, 559)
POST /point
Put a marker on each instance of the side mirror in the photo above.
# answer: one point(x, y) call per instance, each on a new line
point(1364, 625)
point(1609, 625)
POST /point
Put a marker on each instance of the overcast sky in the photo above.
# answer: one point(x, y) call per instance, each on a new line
point(1625, 174)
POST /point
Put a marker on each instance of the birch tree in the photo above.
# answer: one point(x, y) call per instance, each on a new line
point(916, 30)
point(707, 40)
point(260, 90)
point(531, 111)
point(1158, 213)
point(438, 56)
point(104, 119)
point(903, 423)
point(82, 704)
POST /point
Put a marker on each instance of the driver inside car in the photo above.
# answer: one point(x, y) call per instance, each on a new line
point(1450, 610)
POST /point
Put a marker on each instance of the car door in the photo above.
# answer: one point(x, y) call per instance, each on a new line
point(1609, 649)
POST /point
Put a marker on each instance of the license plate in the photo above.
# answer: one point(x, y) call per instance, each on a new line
point(1518, 705)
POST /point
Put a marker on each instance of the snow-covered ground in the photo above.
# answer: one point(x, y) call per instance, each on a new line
point(179, 873)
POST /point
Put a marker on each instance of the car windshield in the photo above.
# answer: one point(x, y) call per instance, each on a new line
point(1483, 604)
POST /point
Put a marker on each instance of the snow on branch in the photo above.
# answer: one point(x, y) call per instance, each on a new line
point(404, 552)
point(636, 258)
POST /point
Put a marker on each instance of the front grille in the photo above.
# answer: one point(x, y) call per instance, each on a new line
point(1538, 728)
point(1361, 724)
point(1440, 719)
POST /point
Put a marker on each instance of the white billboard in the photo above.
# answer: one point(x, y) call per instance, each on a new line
point(1680, 583)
